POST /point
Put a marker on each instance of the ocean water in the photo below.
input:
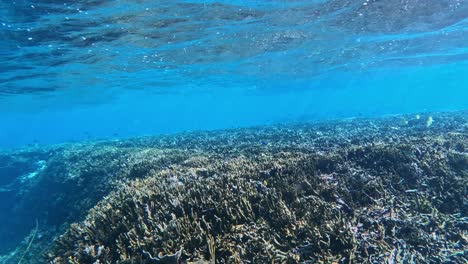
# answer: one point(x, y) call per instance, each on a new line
point(78, 70)
point(85, 86)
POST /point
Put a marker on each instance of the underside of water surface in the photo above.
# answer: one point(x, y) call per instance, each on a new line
point(275, 131)
point(77, 70)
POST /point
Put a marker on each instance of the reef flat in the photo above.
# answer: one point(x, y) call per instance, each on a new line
point(386, 190)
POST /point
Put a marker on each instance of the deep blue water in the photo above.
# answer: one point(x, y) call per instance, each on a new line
point(77, 70)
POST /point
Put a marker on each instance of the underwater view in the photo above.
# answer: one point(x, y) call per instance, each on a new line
point(274, 131)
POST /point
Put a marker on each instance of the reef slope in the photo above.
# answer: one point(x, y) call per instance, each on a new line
point(388, 190)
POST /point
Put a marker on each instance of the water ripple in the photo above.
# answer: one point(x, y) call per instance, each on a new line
point(55, 45)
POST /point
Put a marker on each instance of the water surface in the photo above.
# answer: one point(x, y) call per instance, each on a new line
point(72, 70)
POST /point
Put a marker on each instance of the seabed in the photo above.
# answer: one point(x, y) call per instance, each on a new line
point(386, 190)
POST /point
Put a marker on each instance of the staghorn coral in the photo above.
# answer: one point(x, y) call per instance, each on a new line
point(382, 201)
point(359, 191)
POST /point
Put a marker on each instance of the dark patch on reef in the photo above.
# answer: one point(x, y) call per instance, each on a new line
point(390, 190)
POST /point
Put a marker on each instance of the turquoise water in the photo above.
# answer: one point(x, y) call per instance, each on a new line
point(79, 70)
point(82, 70)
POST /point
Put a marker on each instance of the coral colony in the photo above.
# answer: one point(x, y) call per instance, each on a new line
point(355, 191)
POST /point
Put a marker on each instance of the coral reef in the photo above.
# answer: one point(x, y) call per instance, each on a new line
point(71, 180)
point(400, 197)
point(382, 190)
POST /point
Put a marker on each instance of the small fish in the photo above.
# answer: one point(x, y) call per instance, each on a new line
point(429, 121)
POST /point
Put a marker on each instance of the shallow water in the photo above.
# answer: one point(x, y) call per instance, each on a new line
point(340, 91)
point(76, 70)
